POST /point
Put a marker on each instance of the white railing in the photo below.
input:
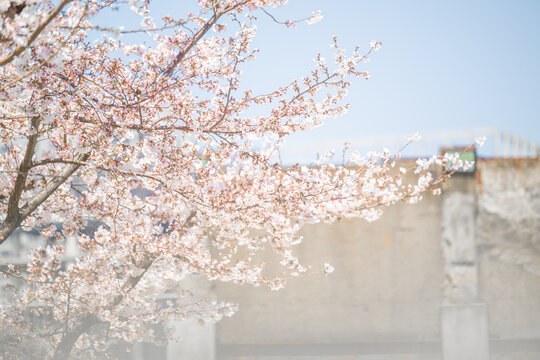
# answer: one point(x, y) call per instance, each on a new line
point(499, 144)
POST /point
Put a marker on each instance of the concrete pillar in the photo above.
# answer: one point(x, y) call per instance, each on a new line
point(464, 321)
point(197, 342)
point(464, 332)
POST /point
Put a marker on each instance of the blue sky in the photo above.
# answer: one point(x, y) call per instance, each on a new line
point(444, 65)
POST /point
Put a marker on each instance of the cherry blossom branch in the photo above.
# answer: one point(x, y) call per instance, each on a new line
point(11, 274)
point(50, 57)
point(19, 215)
point(161, 128)
point(286, 22)
point(21, 48)
point(228, 100)
point(155, 178)
point(13, 216)
point(132, 31)
point(199, 34)
point(65, 346)
point(26, 163)
point(194, 40)
point(63, 349)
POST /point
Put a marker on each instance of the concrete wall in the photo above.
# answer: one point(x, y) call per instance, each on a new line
point(386, 286)
point(391, 277)
point(508, 235)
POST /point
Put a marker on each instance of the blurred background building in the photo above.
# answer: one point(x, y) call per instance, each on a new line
point(454, 277)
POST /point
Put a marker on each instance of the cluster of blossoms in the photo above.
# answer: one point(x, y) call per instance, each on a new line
point(149, 160)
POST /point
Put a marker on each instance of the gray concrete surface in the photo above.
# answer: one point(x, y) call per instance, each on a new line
point(392, 276)
point(464, 332)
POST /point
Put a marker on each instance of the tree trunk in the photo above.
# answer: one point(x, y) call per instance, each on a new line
point(64, 348)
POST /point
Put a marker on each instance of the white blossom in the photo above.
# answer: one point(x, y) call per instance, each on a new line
point(316, 16)
point(415, 138)
point(328, 269)
point(479, 141)
point(375, 45)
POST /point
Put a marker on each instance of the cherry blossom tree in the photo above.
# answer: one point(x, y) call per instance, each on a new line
point(160, 164)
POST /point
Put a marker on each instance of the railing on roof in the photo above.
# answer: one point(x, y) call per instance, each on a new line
point(499, 144)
